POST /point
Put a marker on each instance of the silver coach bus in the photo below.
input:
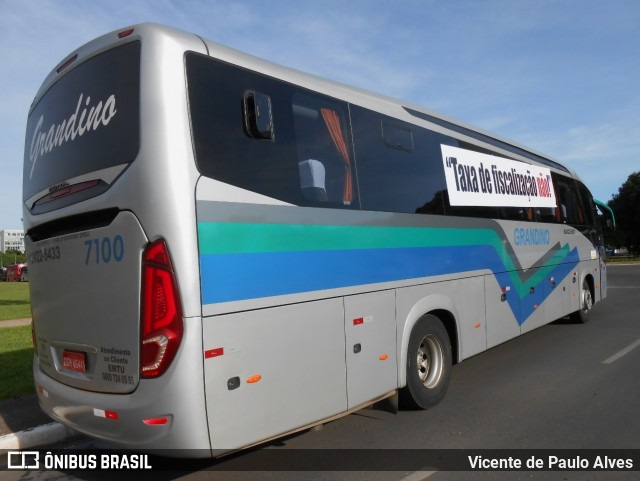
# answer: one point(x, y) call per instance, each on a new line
point(223, 250)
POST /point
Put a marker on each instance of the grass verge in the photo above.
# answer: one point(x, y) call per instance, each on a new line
point(14, 300)
point(16, 356)
point(623, 260)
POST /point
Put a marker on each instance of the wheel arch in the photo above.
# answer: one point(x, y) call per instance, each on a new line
point(590, 281)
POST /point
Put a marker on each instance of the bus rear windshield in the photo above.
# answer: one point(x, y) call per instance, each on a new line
point(86, 122)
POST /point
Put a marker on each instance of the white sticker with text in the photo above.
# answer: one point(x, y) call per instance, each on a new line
point(479, 179)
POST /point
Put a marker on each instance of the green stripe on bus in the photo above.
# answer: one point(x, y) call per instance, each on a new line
point(216, 238)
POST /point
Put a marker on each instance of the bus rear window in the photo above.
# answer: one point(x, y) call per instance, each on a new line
point(86, 122)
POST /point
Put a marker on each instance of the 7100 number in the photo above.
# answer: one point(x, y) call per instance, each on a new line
point(104, 250)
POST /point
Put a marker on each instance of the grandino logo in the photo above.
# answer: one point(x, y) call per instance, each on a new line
point(89, 119)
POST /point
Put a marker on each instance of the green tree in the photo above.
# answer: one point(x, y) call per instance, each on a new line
point(626, 206)
point(12, 257)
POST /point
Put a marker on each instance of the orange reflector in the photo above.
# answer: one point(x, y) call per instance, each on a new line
point(383, 357)
point(156, 421)
point(254, 379)
point(535, 306)
point(477, 326)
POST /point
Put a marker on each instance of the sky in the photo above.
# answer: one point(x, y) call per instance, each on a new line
point(559, 76)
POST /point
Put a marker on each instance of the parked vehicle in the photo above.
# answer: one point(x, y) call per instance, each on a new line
point(14, 272)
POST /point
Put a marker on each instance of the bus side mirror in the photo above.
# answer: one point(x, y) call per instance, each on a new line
point(606, 223)
point(258, 119)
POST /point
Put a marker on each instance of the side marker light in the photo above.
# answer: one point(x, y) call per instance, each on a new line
point(156, 421)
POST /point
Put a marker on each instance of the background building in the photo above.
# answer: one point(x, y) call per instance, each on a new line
point(11, 240)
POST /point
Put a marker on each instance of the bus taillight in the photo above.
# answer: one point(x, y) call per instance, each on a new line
point(161, 315)
point(125, 33)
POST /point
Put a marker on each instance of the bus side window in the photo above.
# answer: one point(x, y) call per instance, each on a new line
point(323, 150)
point(546, 214)
point(570, 208)
point(399, 165)
point(588, 207)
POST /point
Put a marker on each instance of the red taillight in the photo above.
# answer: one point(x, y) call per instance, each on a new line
point(67, 63)
point(156, 421)
point(161, 315)
point(125, 33)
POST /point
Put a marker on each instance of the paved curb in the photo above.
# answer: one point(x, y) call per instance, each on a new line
point(15, 322)
point(33, 437)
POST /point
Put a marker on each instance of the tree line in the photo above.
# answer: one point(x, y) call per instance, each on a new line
point(12, 257)
point(626, 208)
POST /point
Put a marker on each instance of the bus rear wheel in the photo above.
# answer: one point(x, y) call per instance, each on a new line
point(428, 364)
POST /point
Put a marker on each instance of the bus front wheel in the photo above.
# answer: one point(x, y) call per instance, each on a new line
point(428, 364)
point(586, 304)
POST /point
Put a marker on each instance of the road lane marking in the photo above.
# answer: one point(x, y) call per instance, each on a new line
point(622, 352)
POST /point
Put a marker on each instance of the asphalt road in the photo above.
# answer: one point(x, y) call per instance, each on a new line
point(563, 386)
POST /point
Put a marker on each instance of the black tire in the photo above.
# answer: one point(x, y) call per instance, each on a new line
point(581, 316)
point(428, 364)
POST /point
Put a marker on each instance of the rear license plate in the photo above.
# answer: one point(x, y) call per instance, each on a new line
point(74, 361)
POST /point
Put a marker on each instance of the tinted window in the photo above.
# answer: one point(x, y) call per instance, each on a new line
point(306, 159)
point(324, 154)
point(568, 201)
point(87, 121)
point(588, 206)
point(392, 178)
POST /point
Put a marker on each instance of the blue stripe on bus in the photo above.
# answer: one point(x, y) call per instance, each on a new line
point(240, 276)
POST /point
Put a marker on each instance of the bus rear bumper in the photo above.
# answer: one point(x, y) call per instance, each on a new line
point(139, 421)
